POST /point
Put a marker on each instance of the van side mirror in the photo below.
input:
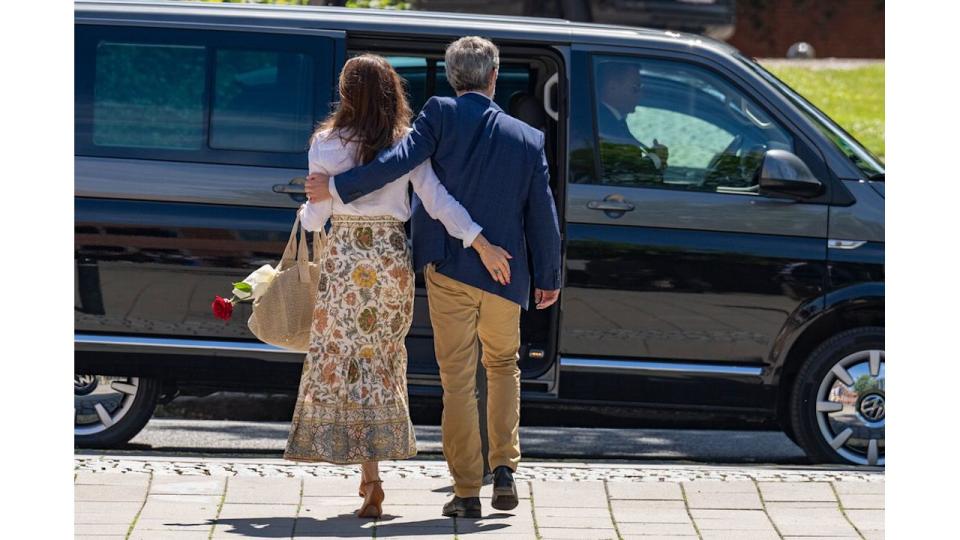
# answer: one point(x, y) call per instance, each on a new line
point(784, 175)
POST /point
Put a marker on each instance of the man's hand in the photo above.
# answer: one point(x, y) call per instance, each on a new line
point(317, 187)
point(662, 152)
point(545, 298)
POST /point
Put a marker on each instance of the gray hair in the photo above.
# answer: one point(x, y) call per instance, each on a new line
point(469, 61)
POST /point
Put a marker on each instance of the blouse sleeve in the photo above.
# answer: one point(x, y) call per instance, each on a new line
point(438, 202)
point(324, 155)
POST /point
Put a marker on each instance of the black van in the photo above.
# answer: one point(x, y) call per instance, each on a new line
point(741, 278)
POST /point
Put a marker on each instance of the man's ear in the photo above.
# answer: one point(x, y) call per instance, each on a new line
point(493, 78)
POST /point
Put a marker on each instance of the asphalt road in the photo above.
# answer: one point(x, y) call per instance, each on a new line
point(240, 438)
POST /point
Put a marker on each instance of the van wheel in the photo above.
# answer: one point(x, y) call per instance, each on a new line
point(109, 411)
point(838, 403)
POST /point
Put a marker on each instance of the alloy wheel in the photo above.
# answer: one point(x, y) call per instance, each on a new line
point(851, 407)
point(99, 401)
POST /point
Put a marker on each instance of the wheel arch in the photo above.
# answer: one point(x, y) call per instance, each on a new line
point(853, 307)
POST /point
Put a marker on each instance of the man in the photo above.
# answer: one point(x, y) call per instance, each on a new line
point(496, 167)
point(620, 88)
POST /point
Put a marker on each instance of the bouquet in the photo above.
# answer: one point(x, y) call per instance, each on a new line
point(248, 290)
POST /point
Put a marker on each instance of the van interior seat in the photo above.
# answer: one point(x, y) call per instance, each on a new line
point(527, 108)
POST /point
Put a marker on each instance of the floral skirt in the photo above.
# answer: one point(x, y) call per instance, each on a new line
point(352, 404)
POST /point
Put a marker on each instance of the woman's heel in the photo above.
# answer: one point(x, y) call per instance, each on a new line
point(373, 501)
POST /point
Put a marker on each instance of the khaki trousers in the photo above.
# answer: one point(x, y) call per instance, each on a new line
point(462, 316)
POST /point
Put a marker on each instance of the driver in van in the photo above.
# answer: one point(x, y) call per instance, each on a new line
point(620, 90)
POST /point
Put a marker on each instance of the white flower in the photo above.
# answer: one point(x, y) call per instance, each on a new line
point(256, 283)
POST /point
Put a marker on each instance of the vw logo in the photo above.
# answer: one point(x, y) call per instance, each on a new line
point(872, 407)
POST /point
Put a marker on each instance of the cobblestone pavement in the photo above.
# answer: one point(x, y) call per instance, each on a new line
point(146, 497)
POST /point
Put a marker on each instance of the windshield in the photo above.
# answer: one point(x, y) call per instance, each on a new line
point(870, 165)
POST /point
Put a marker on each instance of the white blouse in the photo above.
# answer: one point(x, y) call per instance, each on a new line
point(329, 155)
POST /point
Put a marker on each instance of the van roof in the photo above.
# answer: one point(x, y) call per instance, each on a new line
point(412, 23)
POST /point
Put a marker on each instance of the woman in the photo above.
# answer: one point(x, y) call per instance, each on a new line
point(352, 404)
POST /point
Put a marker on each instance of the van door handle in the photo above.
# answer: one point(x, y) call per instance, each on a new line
point(292, 189)
point(611, 206)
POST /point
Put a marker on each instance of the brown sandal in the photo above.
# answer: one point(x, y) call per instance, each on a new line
point(372, 500)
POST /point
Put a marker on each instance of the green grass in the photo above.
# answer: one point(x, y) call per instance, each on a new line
point(854, 98)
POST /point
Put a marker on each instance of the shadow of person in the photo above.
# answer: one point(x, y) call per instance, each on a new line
point(340, 526)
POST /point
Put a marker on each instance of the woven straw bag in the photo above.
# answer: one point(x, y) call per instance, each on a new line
point(282, 316)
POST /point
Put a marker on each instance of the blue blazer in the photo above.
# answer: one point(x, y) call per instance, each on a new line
point(496, 167)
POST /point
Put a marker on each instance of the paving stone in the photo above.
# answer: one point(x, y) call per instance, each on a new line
point(645, 490)
point(734, 534)
point(641, 511)
point(657, 537)
point(105, 512)
point(873, 535)
point(657, 528)
point(859, 488)
point(333, 521)
point(732, 501)
point(867, 520)
point(862, 502)
point(187, 485)
point(716, 486)
point(801, 504)
point(332, 487)
point(241, 511)
point(547, 512)
point(102, 479)
point(414, 521)
point(169, 535)
point(101, 529)
point(803, 521)
point(173, 523)
point(97, 536)
point(756, 520)
point(569, 494)
point(516, 521)
point(263, 490)
point(345, 500)
point(198, 500)
point(797, 491)
point(548, 533)
point(181, 510)
point(109, 493)
point(816, 538)
point(575, 522)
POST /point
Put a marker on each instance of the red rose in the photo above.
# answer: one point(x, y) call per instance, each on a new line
point(222, 308)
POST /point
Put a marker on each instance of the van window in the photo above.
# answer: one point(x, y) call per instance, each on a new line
point(240, 98)
point(671, 125)
point(261, 101)
point(148, 95)
point(425, 78)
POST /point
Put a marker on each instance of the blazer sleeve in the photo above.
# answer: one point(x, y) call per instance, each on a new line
point(395, 162)
point(542, 227)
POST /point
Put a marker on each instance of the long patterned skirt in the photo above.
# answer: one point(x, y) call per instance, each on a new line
point(352, 404)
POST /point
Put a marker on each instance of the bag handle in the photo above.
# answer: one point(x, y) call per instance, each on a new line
point(300, 253)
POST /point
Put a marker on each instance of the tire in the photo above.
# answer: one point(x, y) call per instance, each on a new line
point(838, 402)
point(109, 411)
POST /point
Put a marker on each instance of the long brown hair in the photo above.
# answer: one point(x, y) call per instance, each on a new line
point(373, 109)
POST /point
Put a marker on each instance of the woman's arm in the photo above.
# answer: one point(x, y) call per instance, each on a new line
point(325, 154)
point(440, 205)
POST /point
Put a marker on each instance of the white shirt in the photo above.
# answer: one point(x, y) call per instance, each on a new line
point(329, 155)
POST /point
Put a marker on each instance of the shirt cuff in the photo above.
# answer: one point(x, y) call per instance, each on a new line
point(471, 235)
point(333, 191)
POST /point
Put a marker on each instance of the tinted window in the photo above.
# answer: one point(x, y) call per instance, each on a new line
point(427, 77)
point(148, 96)
point(672, 125)
point(262, 101)
point(240, 98)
